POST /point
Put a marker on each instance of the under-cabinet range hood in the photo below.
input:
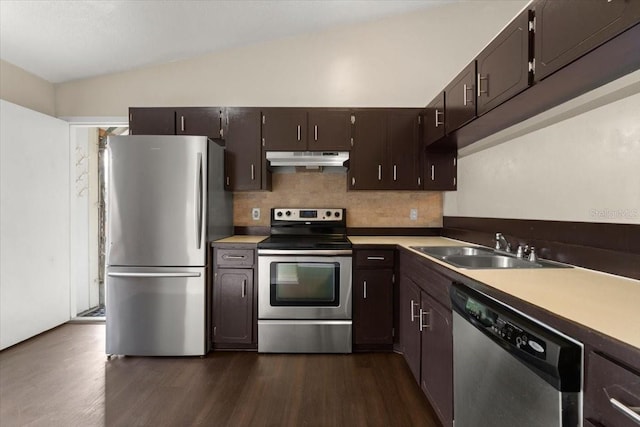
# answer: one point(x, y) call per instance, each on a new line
point(309, 159)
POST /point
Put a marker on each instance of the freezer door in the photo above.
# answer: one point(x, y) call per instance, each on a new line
point(156, 200)
point(156, 312)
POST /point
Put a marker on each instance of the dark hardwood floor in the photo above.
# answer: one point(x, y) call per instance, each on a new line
point(62, 378)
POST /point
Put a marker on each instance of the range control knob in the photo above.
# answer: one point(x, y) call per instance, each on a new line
point(279, 214)
point(328, 214)
point(288, 213)
point(337, 214)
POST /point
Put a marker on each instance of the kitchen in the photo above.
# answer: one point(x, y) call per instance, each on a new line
point(529, 177)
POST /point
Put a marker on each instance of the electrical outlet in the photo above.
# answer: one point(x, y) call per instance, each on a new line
point(413, 214)
point(255, 214)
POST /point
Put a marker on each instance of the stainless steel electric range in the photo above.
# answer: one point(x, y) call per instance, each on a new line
point(304, 283)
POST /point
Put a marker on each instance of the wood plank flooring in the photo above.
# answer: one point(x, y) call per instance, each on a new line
point(62, 378)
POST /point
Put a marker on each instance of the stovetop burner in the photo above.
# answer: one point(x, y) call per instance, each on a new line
point(300, 229)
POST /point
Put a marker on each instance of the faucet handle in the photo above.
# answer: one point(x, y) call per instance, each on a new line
point(532, 254)
point(522, 251)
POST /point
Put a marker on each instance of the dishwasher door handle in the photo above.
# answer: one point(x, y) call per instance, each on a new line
point(631, 412)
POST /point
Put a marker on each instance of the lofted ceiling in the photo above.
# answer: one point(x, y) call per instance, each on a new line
point(61, 41)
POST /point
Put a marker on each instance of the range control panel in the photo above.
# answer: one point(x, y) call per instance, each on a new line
point(306, 215)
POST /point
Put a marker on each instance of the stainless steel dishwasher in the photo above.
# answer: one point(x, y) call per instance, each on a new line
point(509, 369)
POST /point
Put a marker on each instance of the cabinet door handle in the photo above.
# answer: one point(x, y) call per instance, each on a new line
point(438, 122)
point(315, 132)
point(244, 288)
point(394, 173)
point(631, 412)
point(253, 172)
point(413, 312)
point(375, 258)
point(433, 172)
point(466, 99)
point(422, 325)
point(480, 79)
point(182, 123)
point(227, 181)
point(379, 172)
point(298, 132)
point(233, 256)
point(353, 181)
point(364, 289)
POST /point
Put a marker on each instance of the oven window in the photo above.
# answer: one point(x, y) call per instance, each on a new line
point(305, 284)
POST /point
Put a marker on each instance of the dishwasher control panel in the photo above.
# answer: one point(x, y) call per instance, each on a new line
point(503, 328)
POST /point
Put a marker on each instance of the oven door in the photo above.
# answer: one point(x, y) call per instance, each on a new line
point(304, 284)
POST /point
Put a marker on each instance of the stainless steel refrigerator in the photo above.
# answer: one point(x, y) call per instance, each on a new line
point(165, 200)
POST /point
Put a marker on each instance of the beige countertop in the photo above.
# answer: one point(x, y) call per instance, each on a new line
point(242, 239)
point(603, 302)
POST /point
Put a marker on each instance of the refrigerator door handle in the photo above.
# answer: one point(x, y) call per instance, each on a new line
point(199, 196)
point(176, 274)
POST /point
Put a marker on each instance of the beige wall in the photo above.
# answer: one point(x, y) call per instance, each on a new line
point(25, 89)
point(364, 208)
point(400, 61)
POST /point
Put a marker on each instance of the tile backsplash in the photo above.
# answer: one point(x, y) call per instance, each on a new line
point(364, 208)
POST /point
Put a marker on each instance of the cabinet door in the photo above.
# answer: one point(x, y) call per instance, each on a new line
point(373, 307)
point(433, 120)
point(410, 343)
point(503, 66)
point(233, 306)
point(461, 99)
point(437, 357)
point(368, 154)
point(403, 145)
point(243, 154)
point(440, 170)
point(566, 30)
point(329, 130)
point(284, 129)
point(152, 121)
point(198, 121)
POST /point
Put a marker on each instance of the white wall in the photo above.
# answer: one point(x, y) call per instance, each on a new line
point(585, 168)
point(34, 223)
point(401, 61)
point(23, 88)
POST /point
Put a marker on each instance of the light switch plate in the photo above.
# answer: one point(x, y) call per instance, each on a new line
point(413, 214)
point(255, 214)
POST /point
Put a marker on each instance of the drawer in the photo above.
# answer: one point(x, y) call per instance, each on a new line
point(234, 257)
point(610, 388)
point(382, 258)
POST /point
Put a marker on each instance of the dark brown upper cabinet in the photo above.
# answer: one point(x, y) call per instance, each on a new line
point(329, 130)
point(386, 150)
point(244, 162)
point(433, 120)
point(566, 30)
point(204, 121)
point(199, 121)
point(296, 129)
point(441, 169)
point(284, 129)
point(460, 107)
point(369, 150)
point(152, 121)
point(504, 66)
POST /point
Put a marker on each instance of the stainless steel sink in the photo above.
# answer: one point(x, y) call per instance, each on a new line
point(443, 251)
point(473, 257)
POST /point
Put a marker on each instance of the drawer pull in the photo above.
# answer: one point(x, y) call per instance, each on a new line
point(631, 412)
point(375, 258)
point(233, 256)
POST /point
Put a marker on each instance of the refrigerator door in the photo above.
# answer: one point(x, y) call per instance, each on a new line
point(155, 311)
point(156, 200)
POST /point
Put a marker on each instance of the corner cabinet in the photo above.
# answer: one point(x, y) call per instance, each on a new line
point(441, 170)
point(234, 299)
point(386, 150)
point(245, 166)
point(373, 282)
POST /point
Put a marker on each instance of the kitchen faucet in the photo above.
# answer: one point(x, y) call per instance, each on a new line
point(500, 241)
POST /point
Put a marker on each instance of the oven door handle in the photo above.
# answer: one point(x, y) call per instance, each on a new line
point(305, 252)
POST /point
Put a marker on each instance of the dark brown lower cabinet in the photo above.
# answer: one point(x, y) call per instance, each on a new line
point(436, 363)
point(233, 306)
point(373, 307)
